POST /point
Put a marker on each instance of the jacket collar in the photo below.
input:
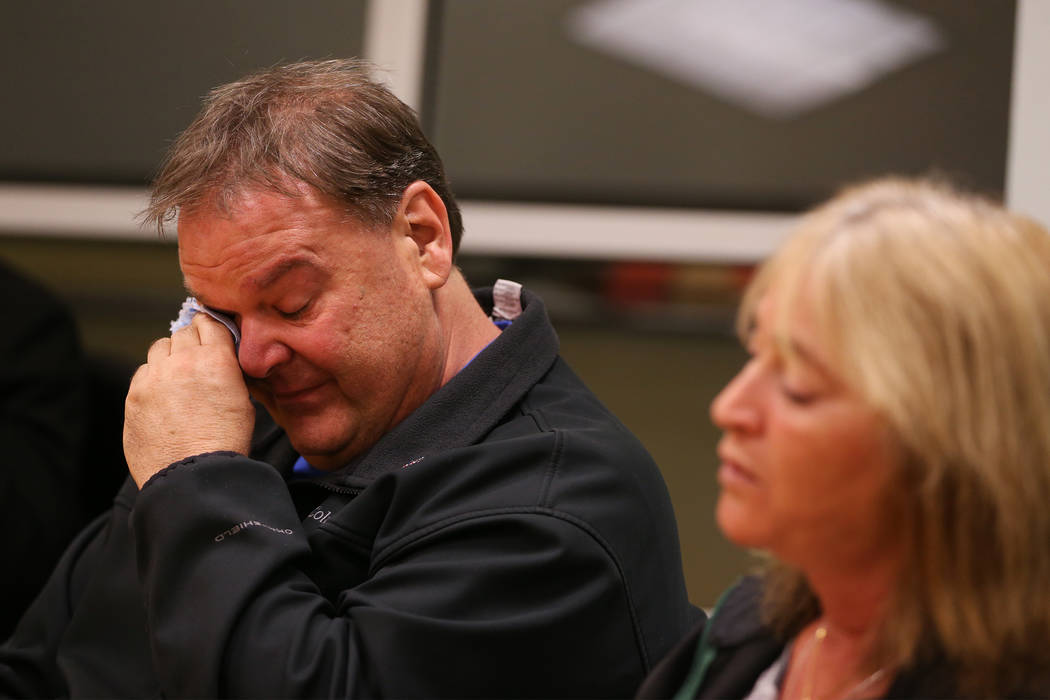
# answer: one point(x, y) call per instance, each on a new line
point(472, 403)
point(738, 618)
point(734, 623)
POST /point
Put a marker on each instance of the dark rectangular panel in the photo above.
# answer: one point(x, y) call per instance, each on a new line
point(94, 91)
point(523, 111)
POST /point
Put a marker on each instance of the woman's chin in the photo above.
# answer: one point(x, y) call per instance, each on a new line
point(738, 522)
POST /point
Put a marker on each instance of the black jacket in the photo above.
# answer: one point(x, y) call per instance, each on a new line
point(509, 538)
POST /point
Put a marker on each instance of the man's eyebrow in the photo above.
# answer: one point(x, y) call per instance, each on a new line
point(262, 281)
point(192, 293)
point(204, 302)
point(277, 271)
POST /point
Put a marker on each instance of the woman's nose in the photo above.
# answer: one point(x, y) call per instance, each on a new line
point(738, 406)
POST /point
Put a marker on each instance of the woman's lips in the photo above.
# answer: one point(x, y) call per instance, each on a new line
point(731, 473)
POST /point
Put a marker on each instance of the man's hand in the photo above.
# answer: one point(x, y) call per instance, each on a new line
point(187, 399)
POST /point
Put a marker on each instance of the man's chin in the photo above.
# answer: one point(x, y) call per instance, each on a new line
point(327, 440)
point(324, 452)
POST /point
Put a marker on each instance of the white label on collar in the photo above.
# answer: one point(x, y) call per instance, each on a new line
point(506, 297)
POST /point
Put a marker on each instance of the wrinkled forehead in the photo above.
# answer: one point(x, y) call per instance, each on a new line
point(258, 224)
point(228, 197)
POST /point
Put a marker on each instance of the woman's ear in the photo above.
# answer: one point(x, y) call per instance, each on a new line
point(428, 229)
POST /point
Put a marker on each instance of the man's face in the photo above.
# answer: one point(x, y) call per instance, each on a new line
point(339, 339)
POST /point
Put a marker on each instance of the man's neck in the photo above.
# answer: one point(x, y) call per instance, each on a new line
point(468, 330)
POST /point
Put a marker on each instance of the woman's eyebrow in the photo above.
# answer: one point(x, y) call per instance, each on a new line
point(807, 354)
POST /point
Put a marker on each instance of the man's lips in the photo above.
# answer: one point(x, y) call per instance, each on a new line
point(289, 394)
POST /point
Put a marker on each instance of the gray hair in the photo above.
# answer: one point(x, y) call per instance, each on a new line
point(324, 123)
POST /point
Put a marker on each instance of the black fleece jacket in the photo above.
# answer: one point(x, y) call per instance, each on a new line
point(510, 538)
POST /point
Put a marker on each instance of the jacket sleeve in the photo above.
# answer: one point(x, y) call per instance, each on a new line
point(502, 603)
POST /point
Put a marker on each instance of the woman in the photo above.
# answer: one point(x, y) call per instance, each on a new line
point(888, 447)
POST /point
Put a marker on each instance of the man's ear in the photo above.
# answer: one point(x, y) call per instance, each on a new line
point(428, 229)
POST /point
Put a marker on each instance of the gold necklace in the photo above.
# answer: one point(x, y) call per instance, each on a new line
point(814, 652)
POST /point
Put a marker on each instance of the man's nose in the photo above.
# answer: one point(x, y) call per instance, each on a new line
point(261, 350)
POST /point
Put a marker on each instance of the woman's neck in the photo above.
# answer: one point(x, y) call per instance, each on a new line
point(855, 586)
point(854, 602)
point(832, 655)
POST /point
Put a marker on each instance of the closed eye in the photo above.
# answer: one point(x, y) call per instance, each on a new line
point(800, 398)
point(294, 315)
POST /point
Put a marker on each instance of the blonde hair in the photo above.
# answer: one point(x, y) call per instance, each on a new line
point(935, 306)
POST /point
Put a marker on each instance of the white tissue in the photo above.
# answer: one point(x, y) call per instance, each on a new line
point(191, 307)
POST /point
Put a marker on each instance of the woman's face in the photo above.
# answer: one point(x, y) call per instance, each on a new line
point(806, 468)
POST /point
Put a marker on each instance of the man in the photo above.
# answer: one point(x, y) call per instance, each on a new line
point(445, 510)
